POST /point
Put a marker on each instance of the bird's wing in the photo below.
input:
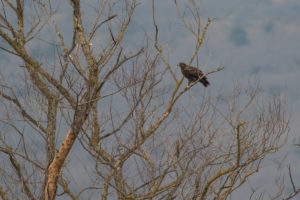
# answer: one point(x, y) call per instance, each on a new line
point(194, 74)
point(195, 71)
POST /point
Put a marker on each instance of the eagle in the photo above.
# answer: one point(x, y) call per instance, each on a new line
point(193, 74)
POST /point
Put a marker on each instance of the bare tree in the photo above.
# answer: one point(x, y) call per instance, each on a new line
point(142, 139)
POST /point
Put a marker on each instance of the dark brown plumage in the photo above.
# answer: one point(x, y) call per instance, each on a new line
point(193, 74)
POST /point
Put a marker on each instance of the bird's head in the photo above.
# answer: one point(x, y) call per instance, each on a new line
point(181, 64)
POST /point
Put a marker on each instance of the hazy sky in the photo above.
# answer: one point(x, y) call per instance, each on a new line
point(261, 38)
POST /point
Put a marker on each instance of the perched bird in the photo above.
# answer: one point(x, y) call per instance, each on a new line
point(193, 74)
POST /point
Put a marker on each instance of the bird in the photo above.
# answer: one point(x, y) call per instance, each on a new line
point(193, 74)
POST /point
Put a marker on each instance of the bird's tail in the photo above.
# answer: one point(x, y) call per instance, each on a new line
point(204, 81)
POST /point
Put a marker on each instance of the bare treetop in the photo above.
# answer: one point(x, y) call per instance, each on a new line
point(102, 118)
